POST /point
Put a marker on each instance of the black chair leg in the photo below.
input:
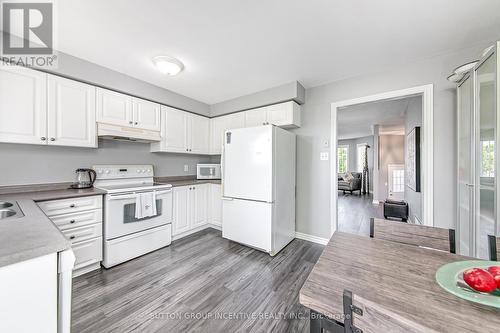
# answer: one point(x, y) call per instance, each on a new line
point(315, 324)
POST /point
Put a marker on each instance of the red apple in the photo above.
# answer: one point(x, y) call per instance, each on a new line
point(495, 271)
point(480, 280)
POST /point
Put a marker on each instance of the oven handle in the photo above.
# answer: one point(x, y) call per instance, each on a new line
point(133, 195)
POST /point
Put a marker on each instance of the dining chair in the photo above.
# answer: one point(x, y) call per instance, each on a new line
point(494, 246)
point(413, 234)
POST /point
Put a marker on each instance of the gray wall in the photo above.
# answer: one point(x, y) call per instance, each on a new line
point(83, 70)
point(286, 92)
point(30, 164)
point(353, 154)
point(391, 151)
point(313, 175)
point(413, 119)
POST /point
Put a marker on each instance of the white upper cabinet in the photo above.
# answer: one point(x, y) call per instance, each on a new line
point(234, 121)
point(146, 114)
point(285, 115)
point(217, 128)
point(23, 105)
point(182, 132)
point(256, 117)
point(199, 134)
point(114, 108)
point(71, 113)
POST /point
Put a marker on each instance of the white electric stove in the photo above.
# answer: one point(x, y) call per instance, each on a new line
point(127, 236)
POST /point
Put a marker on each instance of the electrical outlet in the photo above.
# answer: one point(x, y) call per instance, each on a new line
point(186, 168)
point(323, 156)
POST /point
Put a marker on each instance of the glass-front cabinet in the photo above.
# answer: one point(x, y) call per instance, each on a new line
point(478, 135)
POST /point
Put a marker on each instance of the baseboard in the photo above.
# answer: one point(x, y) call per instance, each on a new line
point(86, 269)
point(189, 232)
point(214, 226)
point(375, 202)
point(311, 238)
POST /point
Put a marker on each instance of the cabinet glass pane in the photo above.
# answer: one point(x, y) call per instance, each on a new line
point(486, 153)
point(464, 167)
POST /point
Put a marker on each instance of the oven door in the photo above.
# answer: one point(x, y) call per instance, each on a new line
point(120, 214)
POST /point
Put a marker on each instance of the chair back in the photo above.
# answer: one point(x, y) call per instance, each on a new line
point(494, 246)
point(413, 234)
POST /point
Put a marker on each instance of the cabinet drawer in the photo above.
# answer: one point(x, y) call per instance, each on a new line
point(64, 206)
point(79, 234)
point(87, 252)
point(75, 220)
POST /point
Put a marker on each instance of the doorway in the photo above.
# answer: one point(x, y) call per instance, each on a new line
point(426, 165)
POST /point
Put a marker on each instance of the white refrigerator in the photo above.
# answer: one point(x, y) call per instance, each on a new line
point(258, 181)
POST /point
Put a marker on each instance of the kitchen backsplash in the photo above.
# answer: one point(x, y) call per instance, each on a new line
point(34, 164)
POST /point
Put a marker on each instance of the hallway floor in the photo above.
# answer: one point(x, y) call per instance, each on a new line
point(355, 211)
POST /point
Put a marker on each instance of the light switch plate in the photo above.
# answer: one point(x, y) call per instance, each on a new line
point(326, 144)
point(323, 156)
point(186, 168)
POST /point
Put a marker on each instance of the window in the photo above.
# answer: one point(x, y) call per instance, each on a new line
point(360, 156)
point(487, 158)
point(398, 180)
point(342, 159)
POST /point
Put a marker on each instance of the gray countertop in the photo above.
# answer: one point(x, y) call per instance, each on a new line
point(185, 181)
point(34, 234)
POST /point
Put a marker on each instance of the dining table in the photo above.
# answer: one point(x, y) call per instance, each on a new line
point(362, 284)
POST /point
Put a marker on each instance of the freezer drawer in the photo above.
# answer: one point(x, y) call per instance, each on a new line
point(247, 222)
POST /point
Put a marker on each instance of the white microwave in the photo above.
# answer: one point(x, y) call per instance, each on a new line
point(208, 171)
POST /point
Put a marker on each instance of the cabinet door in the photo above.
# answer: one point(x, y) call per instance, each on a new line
point(286, 115)
point(23, 105)
point(215, 204)
point(71, 111)
point(199, 205)
point(216, 135)
point(180, 222)
point(256, 117)
point(146, 114)
point(234, 121)
point(174, 130)
point(114, 108)
point(199, 134)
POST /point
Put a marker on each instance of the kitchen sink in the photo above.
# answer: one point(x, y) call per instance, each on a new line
point(5, 204)
point(9, 210)
point(5, 213)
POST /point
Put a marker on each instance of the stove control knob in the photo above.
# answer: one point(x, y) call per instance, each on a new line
point(107, 171)
point(149, 170)
point(99, 170)
point(138, 171)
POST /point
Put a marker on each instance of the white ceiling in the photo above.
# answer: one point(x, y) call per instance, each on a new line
point(233, 47)
point(390, 115)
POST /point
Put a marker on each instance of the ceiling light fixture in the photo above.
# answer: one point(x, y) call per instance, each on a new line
point(168, 65)
point(465, 67)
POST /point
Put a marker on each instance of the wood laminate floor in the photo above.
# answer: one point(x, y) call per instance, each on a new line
point(355, 211)
point(201, 283)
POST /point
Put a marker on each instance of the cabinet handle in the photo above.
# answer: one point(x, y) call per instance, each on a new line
point(43, 138)
point(187, 149)
point(52, 139)
point(136, 123)
point(130, 122)
point(72, 221)
point(72, 206)
point(72, 237)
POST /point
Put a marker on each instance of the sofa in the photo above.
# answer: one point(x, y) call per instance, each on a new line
point(353, 185)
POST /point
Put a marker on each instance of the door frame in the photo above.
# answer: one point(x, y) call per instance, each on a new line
point(427, 161)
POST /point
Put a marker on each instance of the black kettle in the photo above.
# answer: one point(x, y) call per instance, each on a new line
point(85, 178)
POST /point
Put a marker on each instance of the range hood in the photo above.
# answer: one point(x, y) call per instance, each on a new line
point(123, 133)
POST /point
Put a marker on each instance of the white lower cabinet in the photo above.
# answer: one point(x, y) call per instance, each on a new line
point(190, 209)
point(80, 220)
point(215, 204)
point(29, 295)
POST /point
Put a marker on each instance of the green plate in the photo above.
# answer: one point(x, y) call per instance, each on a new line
point(449, 277)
